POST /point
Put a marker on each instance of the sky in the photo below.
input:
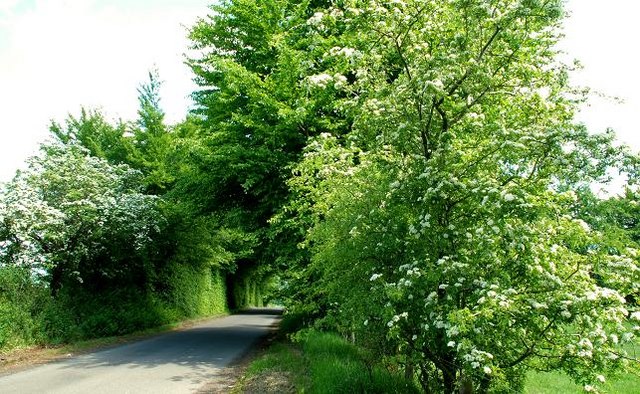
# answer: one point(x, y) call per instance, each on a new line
point(59, 55)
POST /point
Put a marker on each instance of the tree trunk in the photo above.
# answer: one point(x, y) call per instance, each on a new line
point(466, 385)
point(56, 280)
point(409, 371)
point(448, 377)
point(484, 385)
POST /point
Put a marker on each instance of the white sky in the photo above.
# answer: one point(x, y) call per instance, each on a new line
point(57, 55)
point(604, 37)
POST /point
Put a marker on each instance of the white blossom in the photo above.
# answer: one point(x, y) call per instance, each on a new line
point(584, 225)
point(316, 19)
point(375, 277)
point(320, 80)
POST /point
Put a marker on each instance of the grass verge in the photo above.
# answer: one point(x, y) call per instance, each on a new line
point(557, 382)
point(326, 363)
point(319, 363)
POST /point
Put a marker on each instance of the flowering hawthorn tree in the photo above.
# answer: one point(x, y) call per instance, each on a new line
point(71, 215)
point(443, 219)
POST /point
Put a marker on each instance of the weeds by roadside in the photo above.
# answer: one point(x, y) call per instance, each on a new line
point(318, 362)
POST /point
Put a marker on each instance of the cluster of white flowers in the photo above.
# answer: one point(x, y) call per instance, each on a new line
point(431, 298)
point(424, 221)
point(69, 195)
point(585, 348)
point(375, 106)
point(323, 80)
point(339, 81)
point(316, 19)
point(538, 305)
point(336, 13)
point(583, 224)
point(347, 52)
point(396, 318)
point(375, 277)
point(604, 293)
point(320, 80)
point(508, 197)
point(477, 358)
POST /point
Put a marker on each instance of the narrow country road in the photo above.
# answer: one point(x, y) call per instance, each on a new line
point(176, 362)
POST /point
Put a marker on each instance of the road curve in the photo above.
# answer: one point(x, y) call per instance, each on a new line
point(176, 362)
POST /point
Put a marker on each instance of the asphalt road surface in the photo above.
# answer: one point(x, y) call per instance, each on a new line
point(176, 362)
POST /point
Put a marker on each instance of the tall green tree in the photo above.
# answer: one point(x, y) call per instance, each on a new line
point(153, 144)
point(145, 144)
point(189, 241)
point(257, 114)
point(440, 221)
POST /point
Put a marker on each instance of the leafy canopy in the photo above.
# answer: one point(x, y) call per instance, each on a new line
point(440, 219)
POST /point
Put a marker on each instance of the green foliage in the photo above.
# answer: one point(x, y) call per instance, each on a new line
point(80, 225)
point(617, 219)
point(152, 142)
point(146, 145)
point(412, 168)
point(32, 317)
point(93, 132)
point(72, 217)
point(151, 116)
point(440, 231)
point(20, 299)
point(192, 290)
point(619, 215)
point(255, 121)
point(326, 363)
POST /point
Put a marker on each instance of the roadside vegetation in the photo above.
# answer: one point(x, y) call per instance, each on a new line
point(96, 240)
point(626, 382)
point(407, 175)
point(316, 362)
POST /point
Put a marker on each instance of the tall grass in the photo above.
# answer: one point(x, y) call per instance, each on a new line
point(320, 363)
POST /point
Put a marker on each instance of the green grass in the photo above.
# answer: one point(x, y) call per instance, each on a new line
point(326, 363)
point(557, 382)
point(280, 357)
point(321, 363)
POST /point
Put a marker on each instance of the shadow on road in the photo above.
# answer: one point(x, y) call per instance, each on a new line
point(261, 311)
point(195, 355)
